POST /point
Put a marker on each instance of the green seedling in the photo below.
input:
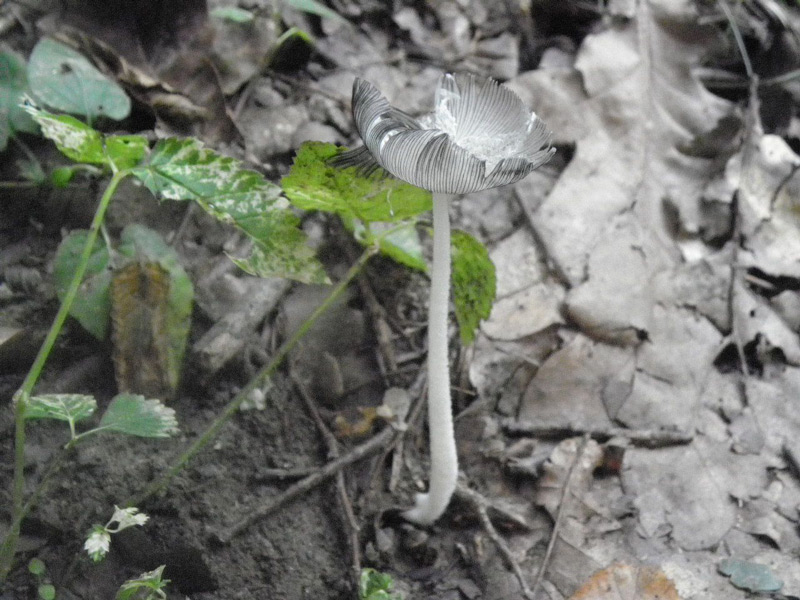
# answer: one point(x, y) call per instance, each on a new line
point(45, 591)
point(374, 585)
point(98, 542)
point(148, 586)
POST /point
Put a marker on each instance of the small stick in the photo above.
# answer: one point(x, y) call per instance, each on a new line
point(481, 505)
point(557, 524)
point(368, 448)
point(650, 438)
point(341, 484)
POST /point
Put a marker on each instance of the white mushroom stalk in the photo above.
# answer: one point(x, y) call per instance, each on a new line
point(479, 136)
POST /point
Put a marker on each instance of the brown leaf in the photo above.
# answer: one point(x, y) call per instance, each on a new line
point(557, 470)
point(621, 581)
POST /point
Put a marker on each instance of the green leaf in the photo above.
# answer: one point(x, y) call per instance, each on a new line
point(315, 8)
point(233, 13)
point(374, 585)
point(125, 151)
point(134, 415)
point(61, 407)
point(401, 242)
point(185, 170)
point(144, 245)
point(36, 566)
point(313, 184)
point(92, 304)
point(148, 586)
point(46, 591)
point(76, 140)
point(13, 88)
point(61, 176)
point(64, 80)
point(474, 283)
point(750, 576)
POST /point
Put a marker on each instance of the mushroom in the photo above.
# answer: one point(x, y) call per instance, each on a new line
point(479, 136)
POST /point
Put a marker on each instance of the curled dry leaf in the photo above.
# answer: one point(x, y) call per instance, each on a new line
point(621, 581)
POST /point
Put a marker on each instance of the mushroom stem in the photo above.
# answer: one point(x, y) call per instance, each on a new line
point(444, 461)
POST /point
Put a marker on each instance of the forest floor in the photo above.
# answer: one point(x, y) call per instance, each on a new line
point(628, 417)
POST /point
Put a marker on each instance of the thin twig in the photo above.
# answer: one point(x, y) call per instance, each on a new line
point(559, 515)
point(481, 505)
point(301, 487)
point(648, 438)
point(341, 485)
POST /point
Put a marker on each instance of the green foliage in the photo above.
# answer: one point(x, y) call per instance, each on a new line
point(92, 304)
point(134, 415)
point(375, 585)
point(365, 204)
point(76, 140)
point(185, 170)
point(61, 407)
point(148, 586)
point(64, 80)
point(143, 245)
point(315, 8)
point(233, 14)
point(37, 567)
point(13, 88)
point(313, 184)
point(474, 283)
point(46, 591)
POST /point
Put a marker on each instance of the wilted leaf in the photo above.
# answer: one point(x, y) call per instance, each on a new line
point(134, 415)
point(61, 407)
point(151, 306)
point(64, 80)
point(474, 283)
point(313, 184)
point(92, 303)
point(13, 87)
point(750, 576)
point(625, 582)
point(185, 170)
point(76, 140)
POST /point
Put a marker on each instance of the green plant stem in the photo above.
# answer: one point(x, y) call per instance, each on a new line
point(20, 510)
point(268, 370)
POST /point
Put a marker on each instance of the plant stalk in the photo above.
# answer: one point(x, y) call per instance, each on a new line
point(22, 396)
point(443, 457)
point(267, 371)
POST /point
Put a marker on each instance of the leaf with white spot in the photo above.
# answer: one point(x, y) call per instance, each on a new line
point(76, 140)
point(61, 407)
point(134, 415)
point(185, 170)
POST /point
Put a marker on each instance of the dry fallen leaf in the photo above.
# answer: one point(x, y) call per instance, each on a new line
point(625, 582)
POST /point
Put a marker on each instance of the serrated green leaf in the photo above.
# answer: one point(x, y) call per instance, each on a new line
point(135, 588)
point(134, 415)
point(185, 170)
point(64, 80)
point(233, 14)
point(76, 140)
point(315, 8)
point(143, 245)
point(313, 184)
point(125, 151)
point(61, 407)
point(474, 283)
point(92, 304)
point(13, 88)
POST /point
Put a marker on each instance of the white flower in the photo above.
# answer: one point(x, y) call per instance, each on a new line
point(98, 543)
point(480, 135)
point(127, 517)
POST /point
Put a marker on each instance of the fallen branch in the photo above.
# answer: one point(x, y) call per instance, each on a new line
point(368, 448)
point(649, 438)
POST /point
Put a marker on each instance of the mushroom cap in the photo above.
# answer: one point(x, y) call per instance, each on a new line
point(479, 136)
